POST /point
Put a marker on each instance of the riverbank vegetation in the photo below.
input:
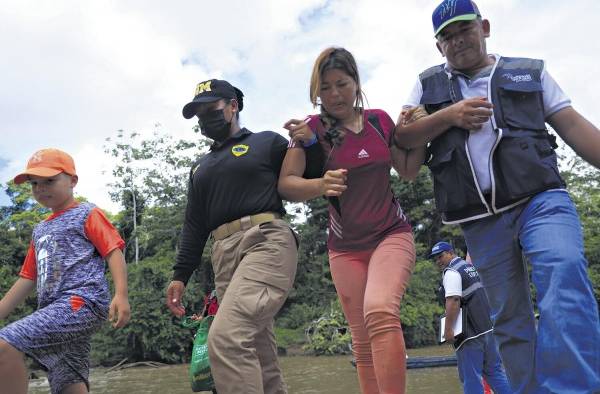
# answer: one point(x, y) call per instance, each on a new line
point(150, 186)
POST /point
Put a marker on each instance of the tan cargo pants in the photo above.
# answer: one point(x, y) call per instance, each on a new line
point(254, 272)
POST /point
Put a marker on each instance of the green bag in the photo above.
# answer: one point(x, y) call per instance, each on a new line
point(200, 375)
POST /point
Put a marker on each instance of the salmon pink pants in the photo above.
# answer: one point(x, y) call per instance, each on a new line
point(370, 285)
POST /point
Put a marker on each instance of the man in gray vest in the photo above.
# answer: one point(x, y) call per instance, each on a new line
point(475, 346)
point(495, 173)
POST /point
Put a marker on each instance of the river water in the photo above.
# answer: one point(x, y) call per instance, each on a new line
point(303, 374)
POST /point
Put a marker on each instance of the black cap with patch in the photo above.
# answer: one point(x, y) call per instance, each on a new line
point(212, 90)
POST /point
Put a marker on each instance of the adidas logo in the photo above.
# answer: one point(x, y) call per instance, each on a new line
point(363, 154)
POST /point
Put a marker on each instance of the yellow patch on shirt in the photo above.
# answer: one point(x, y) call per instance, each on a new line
point(194, 169)
point(239, 150)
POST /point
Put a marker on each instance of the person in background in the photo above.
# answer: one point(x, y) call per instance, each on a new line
point(371, 247)
point(495, 173)
point(65, 264)
point(475, 347)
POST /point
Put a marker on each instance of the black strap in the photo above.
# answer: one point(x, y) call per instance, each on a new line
point(374, 120)
point(334, 201)
point(314, 162)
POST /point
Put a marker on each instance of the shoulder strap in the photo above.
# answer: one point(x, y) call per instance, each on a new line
point(431, 71)
point(374, 120)
point(320, 127)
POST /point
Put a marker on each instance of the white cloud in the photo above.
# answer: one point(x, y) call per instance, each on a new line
point(73, 72)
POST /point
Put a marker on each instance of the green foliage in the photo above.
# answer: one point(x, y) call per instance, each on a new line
point(151, 177)
point(289, 337)
point(298, 315)
point(153, 333)
point(313, 284)
point(584, 187)
point(153, 174)
point(17, 222)
point(16, 225)
point(416, 199)
point(329, 334)
point(420, 310)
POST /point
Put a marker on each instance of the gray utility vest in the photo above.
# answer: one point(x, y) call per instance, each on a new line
point(523, 160)
point(473, 301)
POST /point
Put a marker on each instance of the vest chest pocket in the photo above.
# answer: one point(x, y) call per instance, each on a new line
point(522, 105)
point(436, 98)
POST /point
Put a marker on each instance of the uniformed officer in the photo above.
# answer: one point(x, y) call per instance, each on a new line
point(232, 196)
point(475, 346)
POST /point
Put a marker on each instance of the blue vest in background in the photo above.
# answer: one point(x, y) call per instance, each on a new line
point(473, 301)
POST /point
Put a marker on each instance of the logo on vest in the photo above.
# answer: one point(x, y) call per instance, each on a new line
point(363, 154)
point(471, 272)
point(518, 78)
point(239, 150)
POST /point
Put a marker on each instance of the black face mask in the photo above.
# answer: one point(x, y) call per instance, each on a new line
point(214, 126)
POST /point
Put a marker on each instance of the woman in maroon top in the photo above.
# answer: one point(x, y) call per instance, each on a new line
point(371, 247)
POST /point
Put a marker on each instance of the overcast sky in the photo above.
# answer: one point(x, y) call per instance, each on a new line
point(74, 72)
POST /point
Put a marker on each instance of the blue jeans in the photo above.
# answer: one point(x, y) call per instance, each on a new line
point(479, 357)
point(563, 356)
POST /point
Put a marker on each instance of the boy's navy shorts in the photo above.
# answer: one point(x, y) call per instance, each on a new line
point(58, 337)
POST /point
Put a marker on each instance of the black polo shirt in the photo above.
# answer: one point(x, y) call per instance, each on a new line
point(235, 179)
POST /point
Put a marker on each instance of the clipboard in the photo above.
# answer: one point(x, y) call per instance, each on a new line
point(458, 326)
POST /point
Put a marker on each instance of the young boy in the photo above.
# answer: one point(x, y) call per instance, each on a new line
point(65, 260)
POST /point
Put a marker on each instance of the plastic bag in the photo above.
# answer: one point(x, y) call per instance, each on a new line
point(200, 375)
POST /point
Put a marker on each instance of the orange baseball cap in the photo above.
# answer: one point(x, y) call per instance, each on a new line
point(47, 163)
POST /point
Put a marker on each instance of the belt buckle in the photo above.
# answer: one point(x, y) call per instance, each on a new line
point(245, 222)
